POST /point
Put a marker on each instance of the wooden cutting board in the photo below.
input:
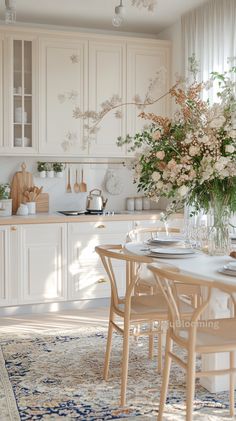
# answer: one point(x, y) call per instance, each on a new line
point(20, 182)
point(42, 203)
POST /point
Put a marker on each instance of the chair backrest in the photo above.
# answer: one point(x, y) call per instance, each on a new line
point(109, 253)
point(170, 283)
point(143, 233)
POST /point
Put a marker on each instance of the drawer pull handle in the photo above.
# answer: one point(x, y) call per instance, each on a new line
point(101, 226)
point(13, 228)
point(101, 281)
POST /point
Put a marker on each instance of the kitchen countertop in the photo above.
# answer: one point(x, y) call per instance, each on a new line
point(50, 218)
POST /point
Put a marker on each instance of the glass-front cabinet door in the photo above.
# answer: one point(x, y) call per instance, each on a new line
point(21, 107)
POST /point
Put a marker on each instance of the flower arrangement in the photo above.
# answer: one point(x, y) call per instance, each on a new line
point(190, 158)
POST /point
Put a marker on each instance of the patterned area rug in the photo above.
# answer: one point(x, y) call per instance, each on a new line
point(60, 376)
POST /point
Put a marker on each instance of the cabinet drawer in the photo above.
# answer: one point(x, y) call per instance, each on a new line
point(100, 227)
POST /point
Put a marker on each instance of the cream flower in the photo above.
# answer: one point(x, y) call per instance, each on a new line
point(193, 150)
point(217, 123)
point(156, 176)
point(160, 154)
point(156, 135)
point(229, 148)
point(182, 191)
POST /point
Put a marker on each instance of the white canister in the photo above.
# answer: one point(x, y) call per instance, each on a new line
point(6, 207)
point(138, 203)
point(22, 210)
point(146, 203)
point(31, 208)
point(130, 204)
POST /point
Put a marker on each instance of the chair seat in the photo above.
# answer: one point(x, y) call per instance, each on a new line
point(220, 333)
point(153, 305)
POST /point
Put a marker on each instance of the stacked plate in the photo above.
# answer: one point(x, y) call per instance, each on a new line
point(165, 240)
point(172, 253)
point(229, 269)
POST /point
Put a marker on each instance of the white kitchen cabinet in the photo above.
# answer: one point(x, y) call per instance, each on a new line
point(87, 278)
point(2, 140)
point(43, 256)
point(4, 266)
point(63, 87)
point(20, 92)
point(144, 60)
point(107, 67)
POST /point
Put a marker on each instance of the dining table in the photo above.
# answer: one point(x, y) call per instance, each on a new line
point(209, 268)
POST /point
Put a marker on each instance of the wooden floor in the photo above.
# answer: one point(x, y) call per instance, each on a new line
point(52, 322)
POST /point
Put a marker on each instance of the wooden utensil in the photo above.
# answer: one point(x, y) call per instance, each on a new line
point(68, 187)
point(76, 185)
point(22, 180)
point(82, 185)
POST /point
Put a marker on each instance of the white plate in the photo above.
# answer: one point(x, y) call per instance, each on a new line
point(231, 267)
point(165, 240)
point(227, 272)
point(173, 251)
point(173, 254)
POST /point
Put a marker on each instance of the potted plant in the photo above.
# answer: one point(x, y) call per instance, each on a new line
point(5, 201)
point(42, 169)
point(58, 169)
point(50, 171)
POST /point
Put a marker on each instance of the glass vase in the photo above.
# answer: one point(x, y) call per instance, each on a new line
point(218, 229)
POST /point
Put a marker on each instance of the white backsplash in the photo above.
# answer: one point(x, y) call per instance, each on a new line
point(94, 176)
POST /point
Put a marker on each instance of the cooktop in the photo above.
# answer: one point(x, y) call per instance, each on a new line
point(80, 212)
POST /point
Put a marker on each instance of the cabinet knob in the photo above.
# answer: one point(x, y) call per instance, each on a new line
point(101, 226)
point(13, 228)
point(101, 281)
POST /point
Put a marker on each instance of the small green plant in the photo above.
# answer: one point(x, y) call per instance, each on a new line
point(4, 191)
point(58, 166)
point(42, 166)
point(49, 166)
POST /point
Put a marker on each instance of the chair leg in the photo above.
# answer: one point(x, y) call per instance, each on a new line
point(125, 362)
point(159, 355)
point(190, 385)
point(151, 343)
point(108, 349)
point(166, 375)
point(231, 384)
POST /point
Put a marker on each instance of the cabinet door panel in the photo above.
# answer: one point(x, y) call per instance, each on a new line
point(106, 78)
point(87, 277)
point(44, 252)
point(20, 94)
point(4, 266)
point(63, 86)
point(143, 62)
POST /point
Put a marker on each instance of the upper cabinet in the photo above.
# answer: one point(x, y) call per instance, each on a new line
point(107, 82)
point(148, 64)
point(63, 94)
point(59, 90)
point(20, 92)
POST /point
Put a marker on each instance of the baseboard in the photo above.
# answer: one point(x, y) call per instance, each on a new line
point(54, 307)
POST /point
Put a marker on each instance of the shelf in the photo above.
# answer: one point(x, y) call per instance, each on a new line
point(20, 95)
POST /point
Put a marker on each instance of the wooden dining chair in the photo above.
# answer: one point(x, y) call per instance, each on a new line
point(196, 336)
point(132, 309)
point(146, 283)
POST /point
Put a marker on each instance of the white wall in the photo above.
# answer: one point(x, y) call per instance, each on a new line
point(173, 34)
point(94, 176)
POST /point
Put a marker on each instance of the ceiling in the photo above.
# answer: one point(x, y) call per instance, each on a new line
point(97, 14)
